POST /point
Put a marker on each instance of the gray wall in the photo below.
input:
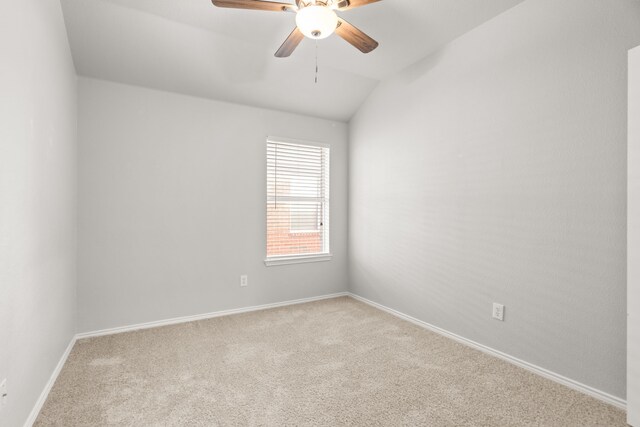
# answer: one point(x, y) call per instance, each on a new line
point(172, 206)
point(633, 242)
point(37, 200)
point(495, 170)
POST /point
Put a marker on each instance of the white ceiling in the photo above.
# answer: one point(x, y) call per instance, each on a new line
point(192, 47)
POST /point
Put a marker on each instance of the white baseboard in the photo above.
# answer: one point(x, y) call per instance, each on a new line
point(575, 385)
point(47, 388)
point(204, 316)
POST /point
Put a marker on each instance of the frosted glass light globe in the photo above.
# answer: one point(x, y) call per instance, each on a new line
point(317, 22)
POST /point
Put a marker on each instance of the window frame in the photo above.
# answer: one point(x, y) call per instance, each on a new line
point(326, 255)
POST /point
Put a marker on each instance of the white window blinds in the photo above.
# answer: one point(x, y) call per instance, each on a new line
point(297, 199)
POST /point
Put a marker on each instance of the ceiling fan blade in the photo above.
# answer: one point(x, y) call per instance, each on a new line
point(255, 5)
point(350, 4)
point(355, 37)
point(290, 43)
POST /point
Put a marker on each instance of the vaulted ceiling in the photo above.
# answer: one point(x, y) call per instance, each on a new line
point(194, 48)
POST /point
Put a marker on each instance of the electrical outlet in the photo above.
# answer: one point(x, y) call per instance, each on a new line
point(244, 280)
point(498, 311)
point(3, 393)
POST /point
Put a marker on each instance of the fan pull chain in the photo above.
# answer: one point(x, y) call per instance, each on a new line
point(316, 61)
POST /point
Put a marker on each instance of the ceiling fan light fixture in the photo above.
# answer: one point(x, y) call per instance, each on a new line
point(316, 22)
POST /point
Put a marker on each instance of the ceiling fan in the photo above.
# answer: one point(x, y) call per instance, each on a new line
point(316, 19)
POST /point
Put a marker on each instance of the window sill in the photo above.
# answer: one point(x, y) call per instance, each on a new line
point(283, 260)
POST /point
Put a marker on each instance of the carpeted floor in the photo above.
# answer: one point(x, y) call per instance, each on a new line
point(327, 363)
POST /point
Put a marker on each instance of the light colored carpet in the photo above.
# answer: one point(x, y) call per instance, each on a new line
point(327, 363)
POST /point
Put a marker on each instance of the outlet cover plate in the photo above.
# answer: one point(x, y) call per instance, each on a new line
point(498, 311)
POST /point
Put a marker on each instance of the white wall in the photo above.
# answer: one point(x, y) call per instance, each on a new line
point(494, 170)
point(633, 242)
point(37, 199)
point(172, 206)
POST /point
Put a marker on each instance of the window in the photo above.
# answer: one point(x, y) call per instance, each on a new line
point(297, 201)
